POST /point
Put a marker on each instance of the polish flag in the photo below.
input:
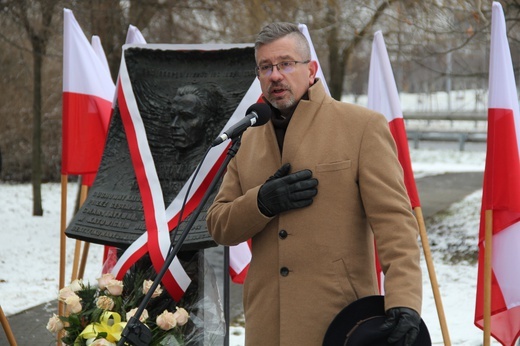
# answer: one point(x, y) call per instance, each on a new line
point(88, 178)
point(384, 98)
point(240, 255)
point(87, 101)
point(501, 192)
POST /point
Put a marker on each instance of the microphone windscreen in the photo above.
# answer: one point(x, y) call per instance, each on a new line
point(262, 110)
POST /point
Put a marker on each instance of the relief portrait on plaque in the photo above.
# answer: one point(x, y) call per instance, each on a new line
point(184, 97)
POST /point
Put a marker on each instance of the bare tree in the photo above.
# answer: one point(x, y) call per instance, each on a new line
point(433, 45)
point(35, 17)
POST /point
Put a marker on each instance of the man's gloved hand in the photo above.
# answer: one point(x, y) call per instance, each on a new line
point(284, 191)
point(404, 323)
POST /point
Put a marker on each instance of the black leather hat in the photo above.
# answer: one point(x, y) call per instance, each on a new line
point(358, 324)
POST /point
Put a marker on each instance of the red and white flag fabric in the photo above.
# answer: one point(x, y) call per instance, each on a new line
point(239, 259)
point(384, 98)
point(159, 217)
point(100, 52)
point(240, 255)
point(88, 178)
point(501, 191)
point(87, 101)
point(134, 35)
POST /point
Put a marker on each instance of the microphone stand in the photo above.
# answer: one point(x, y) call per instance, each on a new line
point(135, 332)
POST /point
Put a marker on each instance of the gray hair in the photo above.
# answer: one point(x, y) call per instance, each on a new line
point(274, 31)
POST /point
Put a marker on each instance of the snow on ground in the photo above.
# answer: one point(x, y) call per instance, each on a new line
point(29, 249)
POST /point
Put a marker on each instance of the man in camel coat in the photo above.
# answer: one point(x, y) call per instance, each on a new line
point(313, 189)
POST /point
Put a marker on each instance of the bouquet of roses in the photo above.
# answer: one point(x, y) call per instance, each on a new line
point(96, 316)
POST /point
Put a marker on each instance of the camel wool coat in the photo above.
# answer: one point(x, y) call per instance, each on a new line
point(309, 263)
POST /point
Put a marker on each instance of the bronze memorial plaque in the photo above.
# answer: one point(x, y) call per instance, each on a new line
point(185, 97)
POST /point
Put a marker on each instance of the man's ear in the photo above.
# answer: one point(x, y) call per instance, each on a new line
point(313, 70)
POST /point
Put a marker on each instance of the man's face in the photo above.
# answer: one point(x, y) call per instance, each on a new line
point(284, 90)
point(188, 122)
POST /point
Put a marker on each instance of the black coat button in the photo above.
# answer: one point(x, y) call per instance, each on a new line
point(284, 271)
point(282, 234)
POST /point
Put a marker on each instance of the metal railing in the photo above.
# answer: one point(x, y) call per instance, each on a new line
point(446, 127)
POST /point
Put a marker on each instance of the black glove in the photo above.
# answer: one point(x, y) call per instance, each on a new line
point(404, 323)
point(283, 191)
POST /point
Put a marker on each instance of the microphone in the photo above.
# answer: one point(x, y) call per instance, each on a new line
point(256, 115)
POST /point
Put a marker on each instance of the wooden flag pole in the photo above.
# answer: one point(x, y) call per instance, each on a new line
point(63, 245)
point(488, 247)
point(77, 273)
point(7, 328)
point(75, 261)
point(83, 263)
point(433, 277)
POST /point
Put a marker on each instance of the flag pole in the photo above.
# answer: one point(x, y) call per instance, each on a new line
point(63, 245)
point(86, 244)
point(76, 270)
point(75, 261)
point(488, 243)
point(433, 277)
point(7, 328)
point(83, 262)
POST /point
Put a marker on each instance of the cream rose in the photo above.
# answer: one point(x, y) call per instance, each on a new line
point(104, 280)
point(182, 316)
point(166, 320)
point(76, 285)
point(144, 316)
point(55, 324)
point(105, 303)
point(102, 342)
point(115, 287)
point(74, 304)
point(65, 292)
point(147, 284)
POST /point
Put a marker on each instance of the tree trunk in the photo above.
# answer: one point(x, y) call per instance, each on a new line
point(339, 58)
point(37, 121)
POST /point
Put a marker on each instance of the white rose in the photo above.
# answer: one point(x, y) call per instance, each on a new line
point(76, 285)
point(65, 292)
point(74, 304)
point(102, 342)
point(147, 284)
point(182, 316)
point(144, 316)
point(166, 320)
point(55, 324)
point(115, 287)
point(104, 279)
point(105, 303)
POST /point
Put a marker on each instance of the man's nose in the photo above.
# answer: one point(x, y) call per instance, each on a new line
point(276, 74)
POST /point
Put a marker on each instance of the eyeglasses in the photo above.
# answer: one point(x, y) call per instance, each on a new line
point(284, 67)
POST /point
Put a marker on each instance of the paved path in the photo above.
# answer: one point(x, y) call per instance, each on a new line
point(436, 193)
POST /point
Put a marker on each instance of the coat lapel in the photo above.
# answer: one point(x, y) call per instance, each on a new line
point(301, 121)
